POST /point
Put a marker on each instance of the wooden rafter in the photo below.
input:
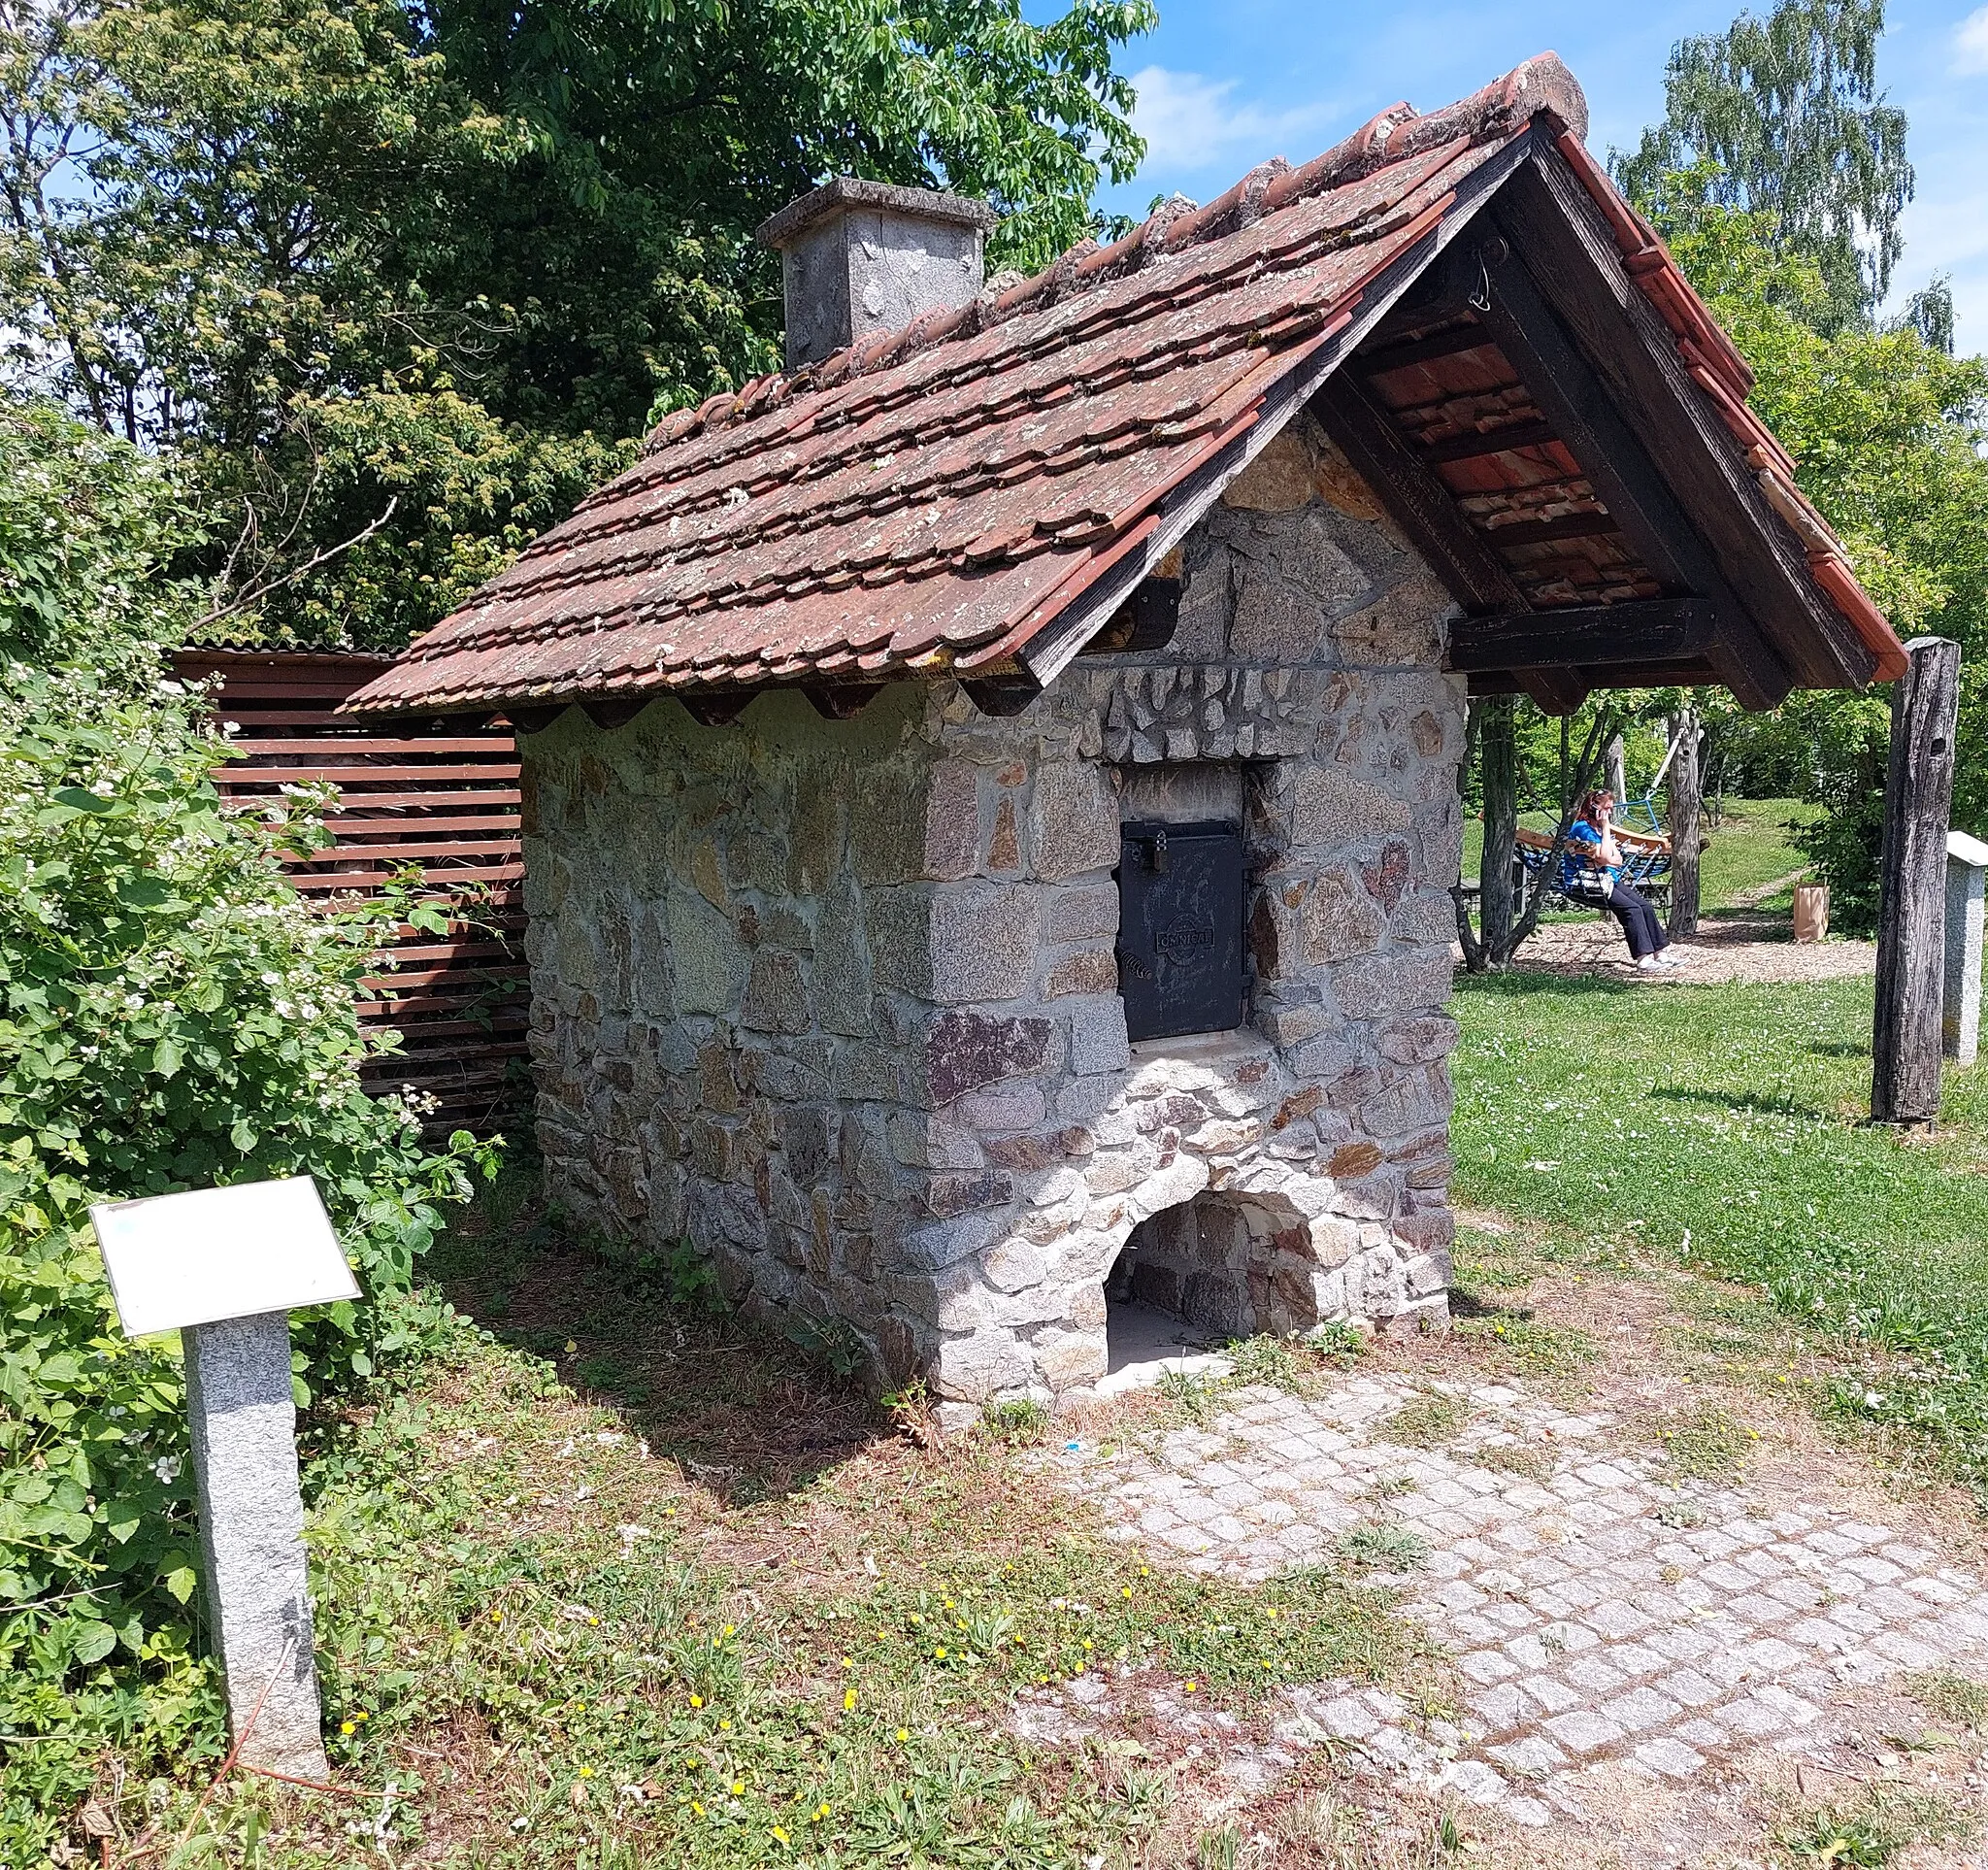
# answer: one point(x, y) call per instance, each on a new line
point(1572, 258)
point(1614, 459)
point(1416, 500)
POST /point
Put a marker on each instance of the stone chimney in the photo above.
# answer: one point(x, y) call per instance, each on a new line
point(858, 258)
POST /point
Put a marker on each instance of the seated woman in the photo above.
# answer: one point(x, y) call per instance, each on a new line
point(1591, 872)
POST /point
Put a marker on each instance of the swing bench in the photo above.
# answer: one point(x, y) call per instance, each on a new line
point(1645, 864)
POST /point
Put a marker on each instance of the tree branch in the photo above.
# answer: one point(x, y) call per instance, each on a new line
point(310, 564)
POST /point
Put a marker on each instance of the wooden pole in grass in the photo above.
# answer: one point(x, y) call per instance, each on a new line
point(1911, 902)
point(1684, 832)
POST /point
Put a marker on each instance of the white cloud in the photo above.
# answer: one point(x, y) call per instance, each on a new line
point(1192, 123)
point(1971, 42)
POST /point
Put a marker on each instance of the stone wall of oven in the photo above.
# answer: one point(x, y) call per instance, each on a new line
point(839, 1000)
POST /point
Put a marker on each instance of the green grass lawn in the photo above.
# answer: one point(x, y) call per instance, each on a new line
point(1722, 1123)
point(1748, 849)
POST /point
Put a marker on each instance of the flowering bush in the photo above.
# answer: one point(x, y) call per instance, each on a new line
point(172, 1016)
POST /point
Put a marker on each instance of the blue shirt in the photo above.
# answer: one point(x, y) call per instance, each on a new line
point(1583, 852)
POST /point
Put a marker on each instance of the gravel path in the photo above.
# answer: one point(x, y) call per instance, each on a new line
point(1731, 944)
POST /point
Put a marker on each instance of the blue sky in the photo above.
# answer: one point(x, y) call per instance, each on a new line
point(1226, 83)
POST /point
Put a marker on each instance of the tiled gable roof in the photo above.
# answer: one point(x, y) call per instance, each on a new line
point(929, 500)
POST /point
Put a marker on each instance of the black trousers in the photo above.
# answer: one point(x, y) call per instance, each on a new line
point(1639, 925)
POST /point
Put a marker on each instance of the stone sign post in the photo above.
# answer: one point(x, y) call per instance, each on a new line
point(1967, 866)
point(225, 1266)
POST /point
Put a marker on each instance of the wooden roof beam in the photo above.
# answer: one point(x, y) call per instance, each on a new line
point(1586, 636)
point(1416, 498)
point(1615, 461)
point(1532, 432)
point(1555, 228)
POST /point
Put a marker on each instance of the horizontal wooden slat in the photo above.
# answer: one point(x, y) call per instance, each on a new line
point(1379, 360)
point(1658, 629)
point(291, 774)
point(353, 747)
point(315, 882)
point(481, 973)
point(506, 1033)
point(410, 848)
point(463, 953)
point(385, 824)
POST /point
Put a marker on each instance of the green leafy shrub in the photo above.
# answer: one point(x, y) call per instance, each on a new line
point(172, 1016)
point(1021, 1419)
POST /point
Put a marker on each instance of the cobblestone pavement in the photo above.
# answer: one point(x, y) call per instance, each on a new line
point(1595, 1614)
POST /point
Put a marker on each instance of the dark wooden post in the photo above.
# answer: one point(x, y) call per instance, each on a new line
point(1684, 833)
point(1911, 902)
point(1499, 746)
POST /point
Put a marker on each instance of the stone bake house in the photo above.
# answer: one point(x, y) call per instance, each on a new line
point(991, 788)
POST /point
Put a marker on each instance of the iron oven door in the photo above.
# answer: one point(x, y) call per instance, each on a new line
point(1180, 928)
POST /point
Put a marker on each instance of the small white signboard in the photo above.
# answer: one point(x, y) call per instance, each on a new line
point(214, 1254)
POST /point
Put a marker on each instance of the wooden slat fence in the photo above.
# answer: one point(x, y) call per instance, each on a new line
point(440, 796)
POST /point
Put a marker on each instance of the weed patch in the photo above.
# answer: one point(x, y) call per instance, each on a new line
point(1707, 1444)
point(1385, 1547)
point(1427, 1419)
point(1519, 1344)
point(1873, 1830)
point(1530, 1461)
point(1020, 1422)
point(1952, 1699)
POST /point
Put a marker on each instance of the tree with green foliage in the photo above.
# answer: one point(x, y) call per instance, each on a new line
point(1783, 119)
point(399, 282)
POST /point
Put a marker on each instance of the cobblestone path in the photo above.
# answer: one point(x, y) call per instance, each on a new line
point(1595, 1613)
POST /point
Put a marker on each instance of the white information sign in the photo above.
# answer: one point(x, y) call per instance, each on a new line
point(183, 1260)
